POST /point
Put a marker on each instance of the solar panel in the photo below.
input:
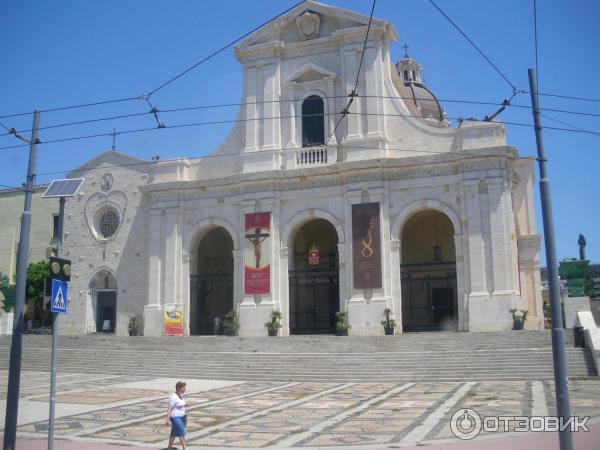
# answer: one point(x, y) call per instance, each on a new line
point(63, 188)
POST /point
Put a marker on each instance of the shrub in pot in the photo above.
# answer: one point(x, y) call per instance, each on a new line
point(341, 325)
point(388, 323)
point(231, 323)
point(274, 325)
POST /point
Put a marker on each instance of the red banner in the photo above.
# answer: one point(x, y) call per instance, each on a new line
point(257, 253)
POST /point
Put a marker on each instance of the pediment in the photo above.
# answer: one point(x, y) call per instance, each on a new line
point(291, 27)
point(113, 158)
point(311, 72)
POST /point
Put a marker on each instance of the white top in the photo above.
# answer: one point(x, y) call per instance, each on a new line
point(177, 405)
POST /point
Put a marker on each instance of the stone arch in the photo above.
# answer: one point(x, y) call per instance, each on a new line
point(302, 217)
point(421, 205)
point(203, 227)
point(103, 288)
point(429, 284)
point(211, 275)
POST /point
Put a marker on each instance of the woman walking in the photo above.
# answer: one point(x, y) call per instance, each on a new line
point(176, 415)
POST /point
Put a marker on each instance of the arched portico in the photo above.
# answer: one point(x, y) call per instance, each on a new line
point(314, 279)
point(428, 272)
point(211, 280)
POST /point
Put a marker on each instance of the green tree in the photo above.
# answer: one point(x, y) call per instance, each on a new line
point(36, 273)
point(588, 287)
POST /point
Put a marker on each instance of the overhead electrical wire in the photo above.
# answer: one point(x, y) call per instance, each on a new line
point(166, 83)
point(215, 53)
point(224, 105)
point(221, 122)
point(575, 127)
point(514, 88)
point(583, 99)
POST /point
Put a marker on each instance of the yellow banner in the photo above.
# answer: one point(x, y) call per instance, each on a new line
point(173, 320)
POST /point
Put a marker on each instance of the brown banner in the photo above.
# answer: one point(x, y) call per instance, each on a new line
point(366, 246)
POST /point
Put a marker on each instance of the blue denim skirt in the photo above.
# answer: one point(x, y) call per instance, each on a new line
point(178, 426)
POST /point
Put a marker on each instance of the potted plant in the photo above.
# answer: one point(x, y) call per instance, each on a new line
point(231, 323)
point(274, 325)
point(341, 325)
point(519, 317)
point(388, 324)
point(132, 326)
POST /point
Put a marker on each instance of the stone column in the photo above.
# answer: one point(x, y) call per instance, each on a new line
point(271, 110)
point(292, 121)
point(251, 110)
point(462, 311)
point(185, 289)
point(172, 260)
point(529, 274)
point(372, 74)
point(395, 274)
point(284, 289)
point(501, 242)
point(153, 308)
point(475, 241)
point(353, 121)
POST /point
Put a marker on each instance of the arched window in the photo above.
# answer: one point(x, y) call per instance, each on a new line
point(406, 76)
point(414, 78)
point(313, 121)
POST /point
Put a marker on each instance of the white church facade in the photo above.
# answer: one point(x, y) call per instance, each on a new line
point(390, 208)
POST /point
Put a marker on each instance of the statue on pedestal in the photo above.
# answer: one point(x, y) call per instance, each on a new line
point(581, 241)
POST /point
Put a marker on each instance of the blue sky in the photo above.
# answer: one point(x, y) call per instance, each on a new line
point(65, 52)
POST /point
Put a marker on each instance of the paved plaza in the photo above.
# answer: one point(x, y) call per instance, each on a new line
point(125, 410)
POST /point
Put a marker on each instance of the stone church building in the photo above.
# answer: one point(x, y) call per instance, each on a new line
point(392, 208)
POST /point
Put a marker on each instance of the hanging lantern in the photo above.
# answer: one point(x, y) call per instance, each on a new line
point(437, 248)
point(314, 255)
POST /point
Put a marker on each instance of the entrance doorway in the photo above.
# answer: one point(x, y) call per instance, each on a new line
point(428, 273)
point(314, 279)
point(212, 285)
point(103, 290)
point(106, 318)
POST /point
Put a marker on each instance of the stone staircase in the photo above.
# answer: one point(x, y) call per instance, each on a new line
point(439, 356)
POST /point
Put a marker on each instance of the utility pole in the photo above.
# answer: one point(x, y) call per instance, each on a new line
point(563, 405)
point(61, 220)
point(14, 372)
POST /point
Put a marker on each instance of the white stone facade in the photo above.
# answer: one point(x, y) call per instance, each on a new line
point(382, 152)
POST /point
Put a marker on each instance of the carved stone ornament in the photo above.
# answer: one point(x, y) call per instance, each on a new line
point(308, 25)
point(107, 182)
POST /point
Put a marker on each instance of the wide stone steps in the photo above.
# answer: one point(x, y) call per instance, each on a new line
point(407, 357)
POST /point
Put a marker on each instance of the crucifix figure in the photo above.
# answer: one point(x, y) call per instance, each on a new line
point(257, 238)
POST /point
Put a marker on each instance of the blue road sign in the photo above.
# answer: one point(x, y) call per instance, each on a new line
point(59, 296)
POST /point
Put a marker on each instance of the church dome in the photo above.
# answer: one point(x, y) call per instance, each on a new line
point(425, 101)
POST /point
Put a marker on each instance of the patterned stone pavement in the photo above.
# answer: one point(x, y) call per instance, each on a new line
point(131, 410)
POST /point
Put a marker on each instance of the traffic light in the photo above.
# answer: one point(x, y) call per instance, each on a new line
point(1, 302)
point(60, 269)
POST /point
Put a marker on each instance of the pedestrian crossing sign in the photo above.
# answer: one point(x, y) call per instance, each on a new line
point(59, 296)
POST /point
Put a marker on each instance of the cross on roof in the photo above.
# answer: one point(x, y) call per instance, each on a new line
point(405, 47)
point(114, 137)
